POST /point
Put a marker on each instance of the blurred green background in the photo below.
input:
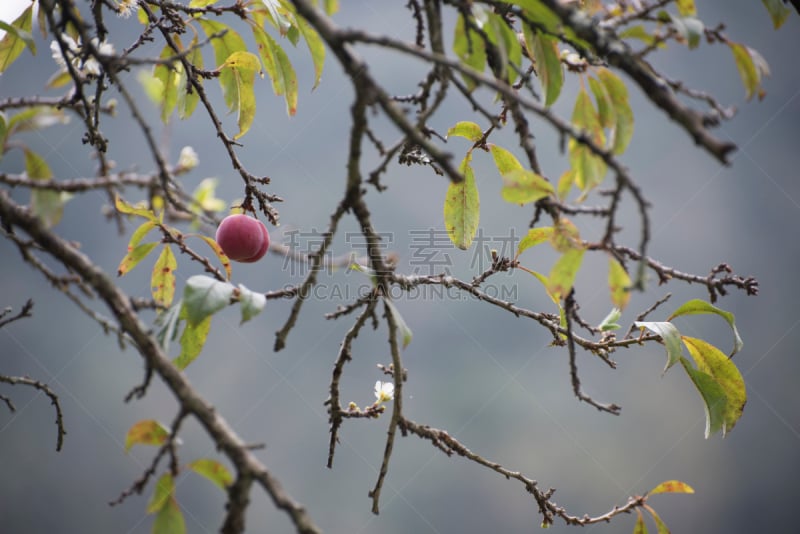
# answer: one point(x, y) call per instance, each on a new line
point(487, 377)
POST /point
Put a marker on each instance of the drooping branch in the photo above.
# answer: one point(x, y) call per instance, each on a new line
point(119, 303)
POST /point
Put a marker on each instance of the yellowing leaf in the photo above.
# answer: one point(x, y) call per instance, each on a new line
point(565, 236)
point(466, 129)
point(244, 66)
point(751, 78)
point(522, 186)
point(462, 207)
point(164, 489)
point(534, 237)
point(562, 275)
point(213, 471)
point(671, 486)
point(127, 209)
point(713, 362)
point(139, 234)
point(133, 257)
point(699, 306)
point(639, 527)
point(589, 169)
point(504, 160)
point(162, 282)
point(778, 11)
point(223, 259)
point(546, 283)
point(686, 8)
point(18, 35)
point(662, 528)
point(147, 432)
point(619, 284)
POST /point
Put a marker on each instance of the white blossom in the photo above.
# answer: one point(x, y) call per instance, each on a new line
point(384, 391)
point(188, 158)
point(85, 67)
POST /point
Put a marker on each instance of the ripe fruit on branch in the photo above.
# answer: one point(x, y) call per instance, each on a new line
point(243, 238)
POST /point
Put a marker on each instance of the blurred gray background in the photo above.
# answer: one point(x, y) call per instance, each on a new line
point(488, 378)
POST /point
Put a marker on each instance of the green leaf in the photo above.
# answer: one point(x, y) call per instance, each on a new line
point(470, 48)
point(278, 16)
point(133, 257)
point(169, 519)
point(18, 35)
point(506, 44)
point(543, 49)
point(467, 130)
point(605, 108)
point(252, 303)
point(223, 47)
point(213, 471)
point(462, 207)
point(619, 283)
point(689, 29)
point(589, 168)
point(204, 296)
point(639, 32)
point(713, 362)
point(686, 8)
point(164, 489)
point(315, 46)
point(188, 97)
point(670, 336)
point(202, 3)
point(623, 129)
point(562, 275)
point(162, 282)
point(699, 306)
point(192, 341)
point(639, 527)
point(127, 209)
point(169, 76)
point(565, 184)
point(777, 11)
point(750, 75)
point(168, 322)
point(610, 321)
point(147, 432)
point(671, 486)
point(713, 396)
point(331, 6)
point(402, 327)
point(534, 237)
point(278, 67)
point(523, 186)
point(244, 66)
point(46, 204)
point(36, 118)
